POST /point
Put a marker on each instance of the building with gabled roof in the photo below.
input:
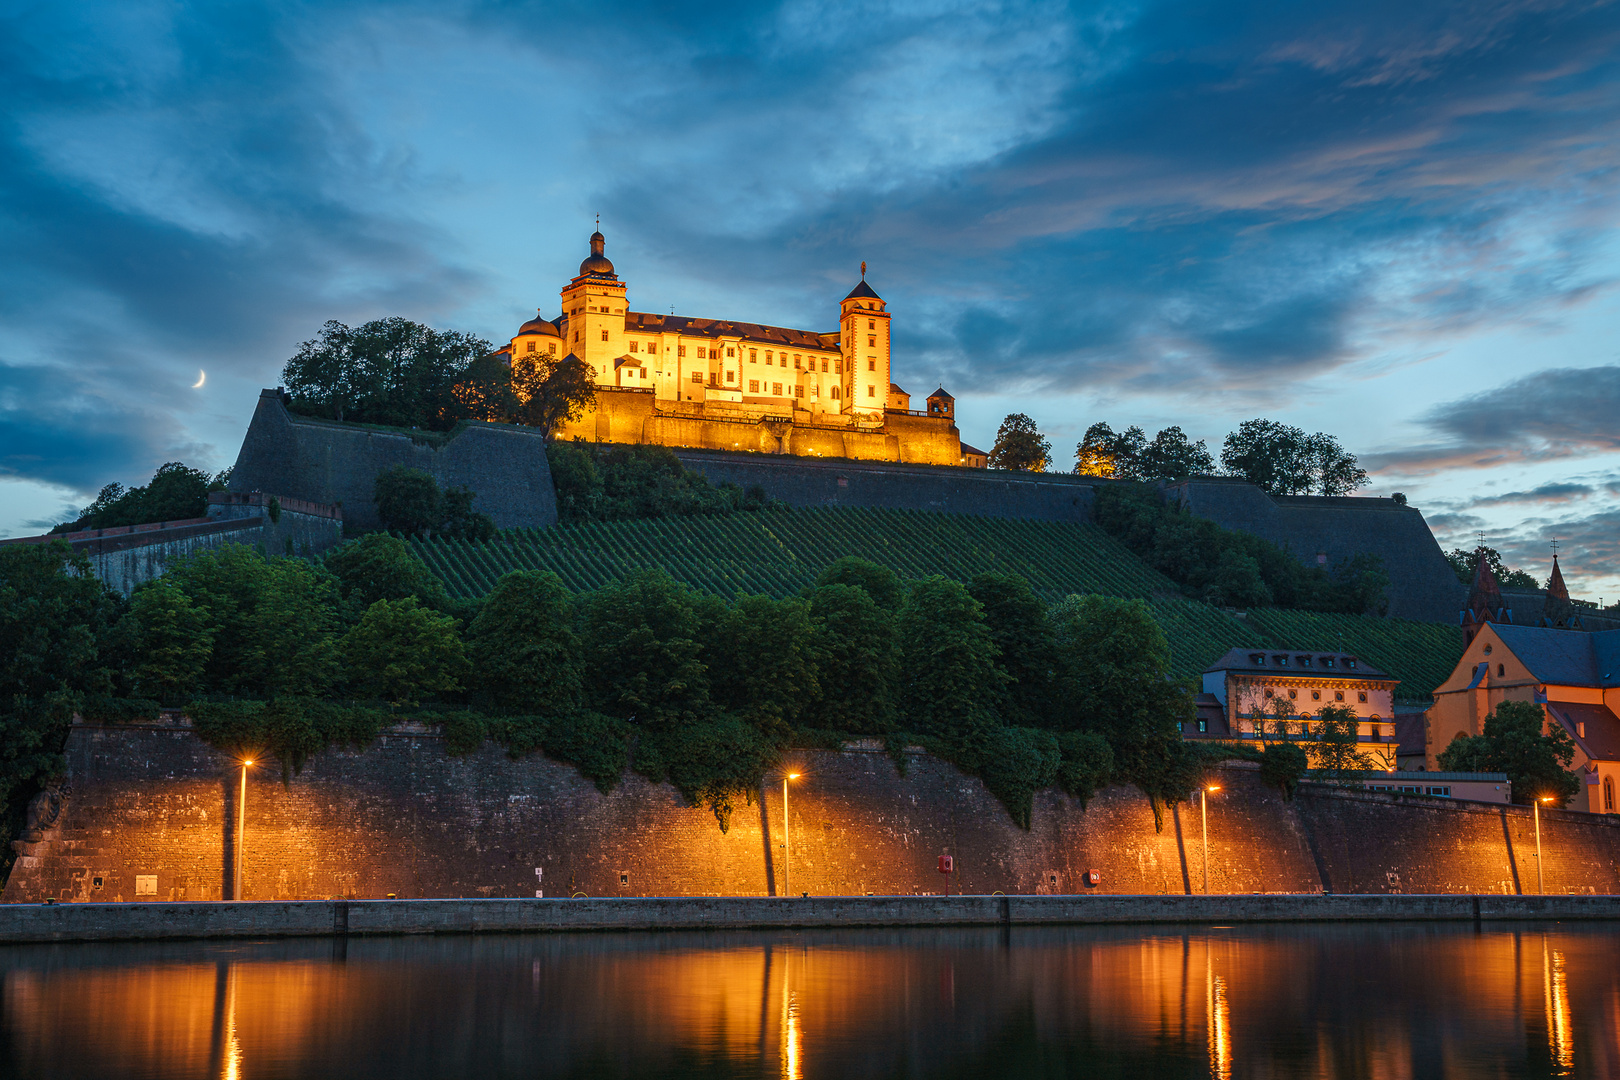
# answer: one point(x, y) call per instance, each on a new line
point(720, 384)
point(1273, 695)
point(1573, 675)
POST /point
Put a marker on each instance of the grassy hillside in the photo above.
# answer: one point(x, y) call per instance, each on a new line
point(779, 552)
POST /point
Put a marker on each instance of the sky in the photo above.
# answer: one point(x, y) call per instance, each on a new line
point(1391, 222)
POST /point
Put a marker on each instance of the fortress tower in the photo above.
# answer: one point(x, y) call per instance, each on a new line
point(675, 380)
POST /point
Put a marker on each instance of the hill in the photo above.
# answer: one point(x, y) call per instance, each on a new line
point(779, 552)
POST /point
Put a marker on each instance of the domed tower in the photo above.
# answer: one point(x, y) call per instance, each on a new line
point(537, 337)
point(863, 337)
point(593, 313)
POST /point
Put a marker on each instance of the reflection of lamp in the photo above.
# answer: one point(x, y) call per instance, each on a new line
point(787, 851)
point(1555, 995)
point(1203, 809)
point(1219, 1021)
point(1537, 812)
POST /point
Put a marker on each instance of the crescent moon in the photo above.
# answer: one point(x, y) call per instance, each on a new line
point(202, 377)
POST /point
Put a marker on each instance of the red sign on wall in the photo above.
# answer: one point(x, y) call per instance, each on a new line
point(946, 865)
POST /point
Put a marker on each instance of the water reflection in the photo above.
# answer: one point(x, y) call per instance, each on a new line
point(1387, 1002)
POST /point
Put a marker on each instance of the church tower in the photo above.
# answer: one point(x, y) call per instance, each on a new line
point(593, 313)
point(1484, 599)
point(863, 338)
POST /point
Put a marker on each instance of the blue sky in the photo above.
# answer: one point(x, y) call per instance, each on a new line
point(1394, 222)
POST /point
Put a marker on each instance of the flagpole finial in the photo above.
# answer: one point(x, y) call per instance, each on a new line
point(863, 269)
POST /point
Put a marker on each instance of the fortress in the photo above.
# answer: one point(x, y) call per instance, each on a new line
point(674, 380)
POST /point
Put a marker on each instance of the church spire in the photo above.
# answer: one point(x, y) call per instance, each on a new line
point(1484, 598)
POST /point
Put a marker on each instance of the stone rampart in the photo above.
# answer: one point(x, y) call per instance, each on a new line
point(125, 556)
point(326, 462)
point(151, 813)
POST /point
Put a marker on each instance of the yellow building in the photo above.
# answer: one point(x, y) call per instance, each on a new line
point(674, 380)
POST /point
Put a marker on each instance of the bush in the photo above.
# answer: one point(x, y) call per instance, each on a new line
point(402, 652)
point(525, 654)
point(597, 482)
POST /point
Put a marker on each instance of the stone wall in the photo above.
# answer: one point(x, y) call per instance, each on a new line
point(403, 817)
point(124, 557)
point(322, 461)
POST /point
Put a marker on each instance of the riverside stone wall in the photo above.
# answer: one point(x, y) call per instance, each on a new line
point(151, 814)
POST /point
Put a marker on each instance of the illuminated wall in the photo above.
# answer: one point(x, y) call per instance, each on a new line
point(152, 816)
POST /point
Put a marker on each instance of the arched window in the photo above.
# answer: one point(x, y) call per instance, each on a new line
point(1608, 794)
point(836, 394)
point(1501, 669)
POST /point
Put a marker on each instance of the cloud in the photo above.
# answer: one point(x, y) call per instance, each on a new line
point(1553, 493)
point(1553, 414)
point(63, 429)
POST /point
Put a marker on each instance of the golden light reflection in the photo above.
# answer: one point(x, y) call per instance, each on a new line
point(791, 1067)
point(231, 1063)
point(1555, 992)
point(1219, 1021)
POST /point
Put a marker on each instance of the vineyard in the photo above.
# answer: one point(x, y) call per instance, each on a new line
point(779, 552)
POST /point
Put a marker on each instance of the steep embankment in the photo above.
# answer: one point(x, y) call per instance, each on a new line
point(779, 552)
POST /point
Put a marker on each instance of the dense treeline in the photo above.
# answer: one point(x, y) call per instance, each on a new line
point(286, 656)
point(612, 482)
point(1234, 569)
point(175, 492)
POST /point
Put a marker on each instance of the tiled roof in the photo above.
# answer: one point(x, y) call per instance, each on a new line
point(1602, 739)
point(862, 291)
point(1564, 657)
point(651, 323)
point(1341, 668)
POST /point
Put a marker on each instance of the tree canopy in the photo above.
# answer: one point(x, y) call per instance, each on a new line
point(1283, 460)
point(1128, 455)
point(1020, 446)
point(175, 492)
point(1517, 740)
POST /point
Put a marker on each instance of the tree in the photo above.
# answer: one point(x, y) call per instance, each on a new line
point(762, 662)
point(550, 392)
point(524, 651)
point(322, 374)
point(458, 519)
point(1518, 741)
point(1022, 636)
point(1336, 746)
point(381, 567)
point(949, 681)
point(408, 501)
point(1170, 456)
point(174, 642)
point(1465, 563)
point(858, 663)
point(486, 390)
point(879, 582)
point(1020, 447)
point(643, 651)
point(1102, 452)
point(1283, 460)
point(175, 492)
point(402, 652)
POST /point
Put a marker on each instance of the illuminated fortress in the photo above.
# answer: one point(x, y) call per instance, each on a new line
point(673, 380)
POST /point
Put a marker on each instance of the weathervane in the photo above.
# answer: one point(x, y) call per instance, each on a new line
point(863, 269)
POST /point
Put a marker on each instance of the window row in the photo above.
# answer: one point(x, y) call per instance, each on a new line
point(1316, 695)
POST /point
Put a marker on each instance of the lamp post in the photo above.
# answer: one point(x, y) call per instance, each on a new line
point(1203, 808)
point(1540, 888)
point(241, 831)
point(787, 851)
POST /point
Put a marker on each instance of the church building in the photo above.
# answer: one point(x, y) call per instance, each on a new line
point(680, 381)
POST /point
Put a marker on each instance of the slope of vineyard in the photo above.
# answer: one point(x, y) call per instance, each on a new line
point(779, 552)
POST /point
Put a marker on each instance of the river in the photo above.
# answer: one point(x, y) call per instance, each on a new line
point(1367, 1001)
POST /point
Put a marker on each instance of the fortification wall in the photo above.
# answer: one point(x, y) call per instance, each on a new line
point(152, 801)
point(801, 481)
point(1421, 582)
point(325, 462)
point(125, 556)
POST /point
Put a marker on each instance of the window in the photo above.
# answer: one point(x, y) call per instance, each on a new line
point(1361, 696)
point(731, 351)
point(814, 390)
point(871, 391)
point(837, 393)
point(1280, 661)
point(1257, 659)
point(1327, 661)
point(680, 350)
point(796, 361)
point(1338, 695)
point(1268, 693)
point(1501, 669)
point(798, 391)
point(604, 335)
point(697, 376)
point(1316, 695)
point(871, 324)
point(753, 356)
point(576, 337)
point(712, 378)
point(652, 346)
point(1203, 725)
point(1443, 792)
point(1293, 695)
point(769, 356)
point(1181, 725)
point(731, 376)
point(531, 346)
point(871, 342)
point(824, 365)
point(703, 353)
point(1608, 794)
point(776, 389)
point(1487, 650)
point(838, 367)
point(753, 386)
point(1303, 661)
point(552, 348)
point(871, 363)
point(1350, 662)
point(634, 346)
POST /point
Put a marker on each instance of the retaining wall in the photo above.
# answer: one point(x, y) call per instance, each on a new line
point(153, 802)
point(298, 456)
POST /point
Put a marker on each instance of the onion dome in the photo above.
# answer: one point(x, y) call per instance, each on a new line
point(597, 265)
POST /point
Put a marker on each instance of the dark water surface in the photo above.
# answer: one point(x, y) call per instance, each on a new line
point(1384, 1001)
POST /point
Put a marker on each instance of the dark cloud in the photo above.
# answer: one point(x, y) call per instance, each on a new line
point(1553, 493)
point(1557, 413)
point(61, 429)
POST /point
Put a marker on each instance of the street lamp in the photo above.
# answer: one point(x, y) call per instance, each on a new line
point(1540, 888)
point(787, 851)
point(1203, 807)
point(241, 831)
